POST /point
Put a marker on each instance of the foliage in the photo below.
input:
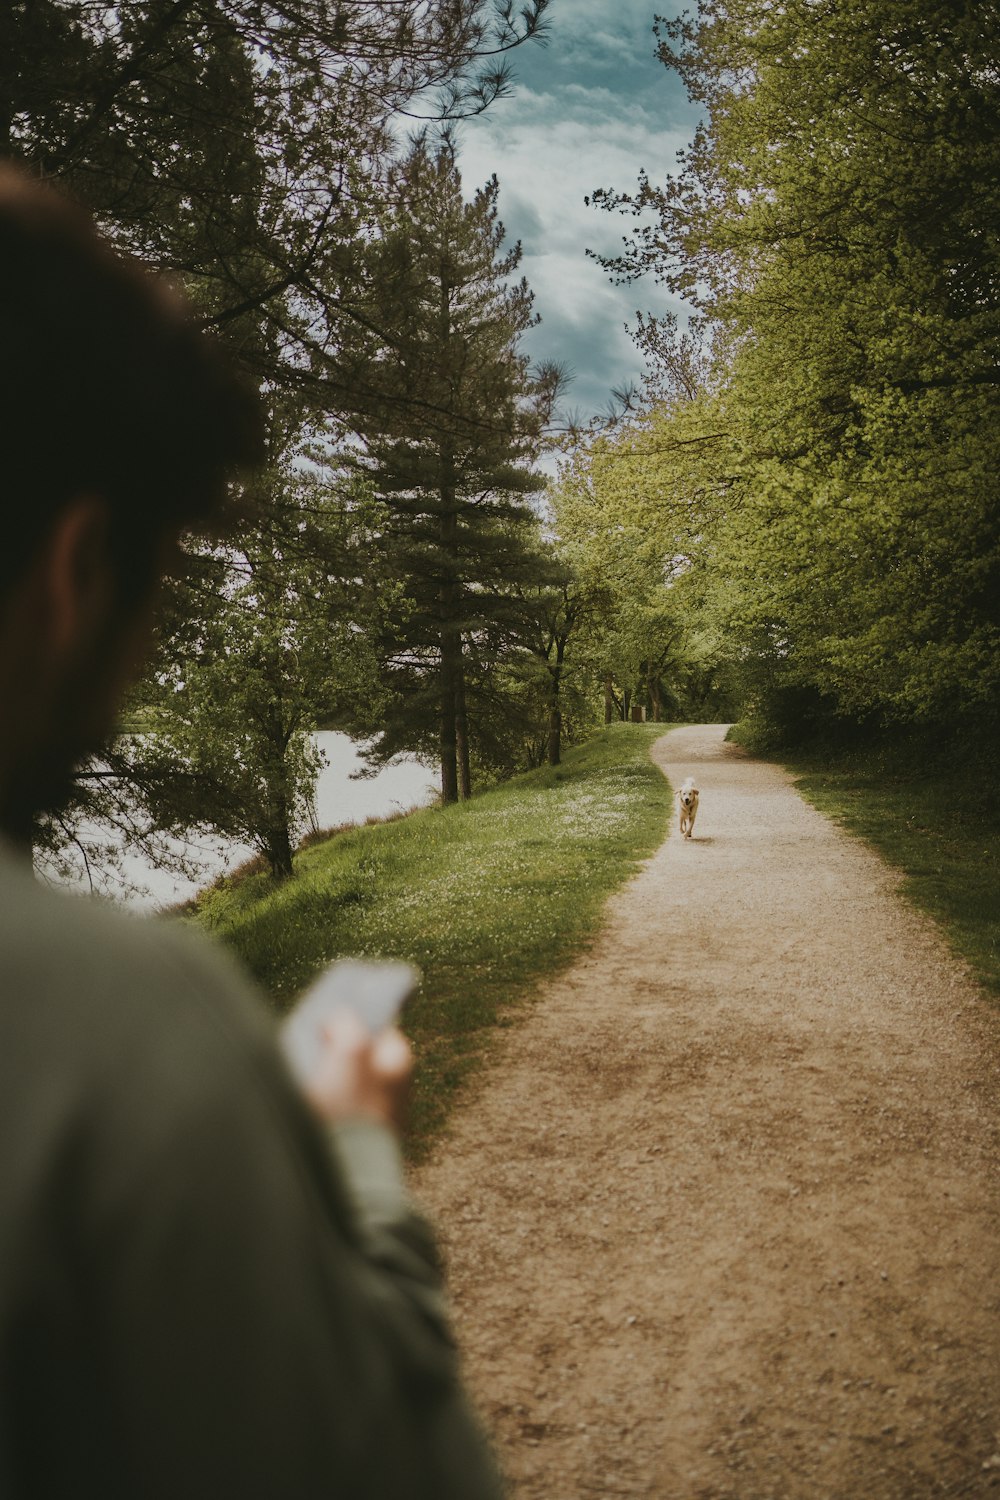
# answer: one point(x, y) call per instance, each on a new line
point(475, 894)
point(560, 609)
point(836, 221)
point(238, 683)
point(242, 145)
point(247, 150)
point(454, 420)
point(631, 510)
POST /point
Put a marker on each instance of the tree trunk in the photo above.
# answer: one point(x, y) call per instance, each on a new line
point(626, 703)
point(655, 696)
point(462, 733)
point(275, 813)
point(555, 711)
point(451, 640)
point(609, 700)
point(279, 852)
point(555, 734)
point(449, 735)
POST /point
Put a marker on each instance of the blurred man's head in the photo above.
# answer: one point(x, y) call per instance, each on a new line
point(119, 426)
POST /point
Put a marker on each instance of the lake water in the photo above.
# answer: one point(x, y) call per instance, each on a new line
point(339, 799)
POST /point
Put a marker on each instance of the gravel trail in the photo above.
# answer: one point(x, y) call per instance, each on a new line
point(723, 1218)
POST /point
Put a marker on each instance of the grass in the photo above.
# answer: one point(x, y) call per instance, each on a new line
point(486, 898)
point(934, 813)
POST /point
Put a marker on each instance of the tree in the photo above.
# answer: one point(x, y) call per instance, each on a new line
point(452, 466)
point(241, 146)
point(229, 706)
point(245, 150)
point(836, 219)
point(560, 611)
point(633, 512)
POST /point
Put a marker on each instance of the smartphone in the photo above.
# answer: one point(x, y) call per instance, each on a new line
point(375, 991)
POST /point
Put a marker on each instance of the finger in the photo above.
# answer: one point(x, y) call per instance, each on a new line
point(392, 1055)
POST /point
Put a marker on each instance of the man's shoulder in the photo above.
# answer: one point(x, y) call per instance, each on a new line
point(82, 981)
point(126, 1045)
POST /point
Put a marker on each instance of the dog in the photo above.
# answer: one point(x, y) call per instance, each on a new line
point(687, 799)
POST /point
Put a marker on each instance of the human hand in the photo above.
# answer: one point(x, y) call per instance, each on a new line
point(358, 1075)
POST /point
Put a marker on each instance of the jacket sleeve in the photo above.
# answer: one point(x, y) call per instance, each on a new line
point(269, 1304)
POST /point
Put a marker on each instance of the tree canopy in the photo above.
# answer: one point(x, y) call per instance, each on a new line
point(835, 224)
point(241, 145)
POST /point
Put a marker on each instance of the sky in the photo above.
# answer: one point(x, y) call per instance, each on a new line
point(589, 109)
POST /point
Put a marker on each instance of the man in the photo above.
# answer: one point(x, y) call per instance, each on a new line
point(208, 1286)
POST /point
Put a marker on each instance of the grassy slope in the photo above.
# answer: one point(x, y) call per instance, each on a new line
point(934, 818)
point(485, 897)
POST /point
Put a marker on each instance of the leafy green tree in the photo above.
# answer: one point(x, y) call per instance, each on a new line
point(560, 611)
point(631, 510)
point(230, 706)
point(836, 219)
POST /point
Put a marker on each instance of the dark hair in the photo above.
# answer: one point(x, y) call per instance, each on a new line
point(107, 386)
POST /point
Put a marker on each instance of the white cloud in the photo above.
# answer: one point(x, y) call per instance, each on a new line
point(557, 138)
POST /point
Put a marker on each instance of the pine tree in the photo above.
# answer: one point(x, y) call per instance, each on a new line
point(455, 418)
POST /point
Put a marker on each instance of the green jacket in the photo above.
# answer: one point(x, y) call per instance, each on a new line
point(198, 1296)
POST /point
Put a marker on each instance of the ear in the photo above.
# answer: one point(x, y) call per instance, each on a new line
point(75, 571)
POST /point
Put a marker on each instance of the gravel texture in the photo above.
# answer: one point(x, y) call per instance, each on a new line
point(722, 1218)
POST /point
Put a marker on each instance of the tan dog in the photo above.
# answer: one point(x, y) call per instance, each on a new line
point(687, 799)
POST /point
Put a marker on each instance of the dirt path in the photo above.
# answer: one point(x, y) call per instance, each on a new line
point(723, 1221)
